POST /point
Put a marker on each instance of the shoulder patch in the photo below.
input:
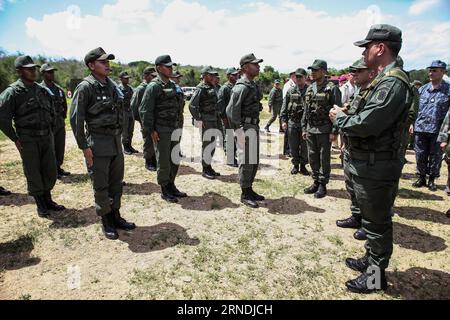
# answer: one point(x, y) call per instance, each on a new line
point(382, 94)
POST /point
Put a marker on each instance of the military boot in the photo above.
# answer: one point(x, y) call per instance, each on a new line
point(166, 194)
point(108, 227)
point(42, 209)
point(360, 264)
point(133, 150)
point(295, 169)
point(62, 172)
point(127, 149)
point(303, 170)
point(121, 223)
point(421, 182)
point(52, 205)
point(4, 192)
point(365, 284)
point(313, 188)
point(150, 164)
point(321, 191)
point(247, 199)
point(256, 196)
point(448, 213)
point(213, 172)
point(360, 235)
point(351, 222)
point(208, 174)
point(431, 185)
point(177, 193)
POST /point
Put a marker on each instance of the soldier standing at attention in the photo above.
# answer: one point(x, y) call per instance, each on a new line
point(181, 100)
point(362, 76)
point(149, 151)
point(160, 112)
point(291, 116)
point(60, 105)
point(203, 108)
point(97, 105)
point(128, 119)
point(443, 139)
point(30, 106)
point(224, 96)
point(317, 128)
point(275, 103)
point(376, 158)
point(243, 115)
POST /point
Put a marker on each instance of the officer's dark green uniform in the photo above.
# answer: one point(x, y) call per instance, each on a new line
point(136, 99)
point(375, 136)
point(224, 96)
point(444, 137)
point(160, 112)
point(292, 113)
point(243, 114)
point(181, 100)
point(203, 107)
point(128, 118)
point(320, 98)
point(96, 121)
point(31, 109)
point(275, 103)
point(60, 105)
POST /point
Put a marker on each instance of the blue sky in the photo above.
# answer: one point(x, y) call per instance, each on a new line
point(426, 25)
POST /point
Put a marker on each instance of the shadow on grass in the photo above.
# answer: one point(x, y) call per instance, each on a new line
point(16, 199)
point(15, 254)
point(288, 205)
point(423, 214)
point(207, 202)
point(75, 178)
point(414, 194)
point(142, 189)
point(413, 238)
point(73, 218)
point(157, 237)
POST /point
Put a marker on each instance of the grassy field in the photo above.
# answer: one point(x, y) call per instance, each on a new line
point(209, 246)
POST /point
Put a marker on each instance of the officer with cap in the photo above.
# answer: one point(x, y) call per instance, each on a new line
point(204, 110)
point(96, 120)
point(375, 154)
point(160, 114)
point(149, 151)
point(317, 128)
point(275, 103)
point(29, 106)
point(433, 106)
point(60, 105)
point(291, 116)
point(243, 115)
point(128, 118)
point(362, 76)
point(224, 96)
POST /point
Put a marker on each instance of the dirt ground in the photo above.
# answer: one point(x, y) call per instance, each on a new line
point(210, 246)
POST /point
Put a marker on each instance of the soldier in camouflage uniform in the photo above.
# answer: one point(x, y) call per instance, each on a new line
point(317, 128)
point(128, 119)
point(60, 104)
point(275, 103)
point(30, 106)
point(291, 116)
point(136, 99)
point(203, 108)
point(96, 120)
point(181, 100)
point(443, 139)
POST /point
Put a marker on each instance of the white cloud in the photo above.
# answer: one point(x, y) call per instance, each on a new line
point(286, 36)
point(420, 6)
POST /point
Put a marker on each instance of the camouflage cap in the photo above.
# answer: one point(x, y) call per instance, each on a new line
point(249, 58)
point(276, 81)
point(381, 32)
point(149, 70)
point(209, 70)
point(232, 70)
point(97, 54)
point(46, 67)
point(358, 65)
point(24, 62)
point(124, 75)
point(164, 60)
point(319, 64)
point(300, 72)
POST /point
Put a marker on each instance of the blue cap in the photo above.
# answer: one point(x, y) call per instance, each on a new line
point(438, 64)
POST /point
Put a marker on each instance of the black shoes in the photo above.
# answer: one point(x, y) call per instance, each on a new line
point(360, 235)
point(366, 283)
point(62, 173)
point(295, 169)
point(128, 149)
point(360, 264)
point(4, 192)
point(166, 194)
point(177, 193)
point(121, 223)
point(133, 150)
point(52, 205)
point(448, 213)
point(41, 205)
point(431, 185)
point(351, 222)
point(209, 173)
point(267, 129)
point(321, 191)
point(421, 182)
point(150, 164)
point(248, 199)
point(312, 189)
point(303, 170)
point(256, 197)
point(109, 228)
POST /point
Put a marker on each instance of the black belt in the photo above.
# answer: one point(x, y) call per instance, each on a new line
point(34, 132)
point(106, 131)
point(371, 157)
point(249, 120)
